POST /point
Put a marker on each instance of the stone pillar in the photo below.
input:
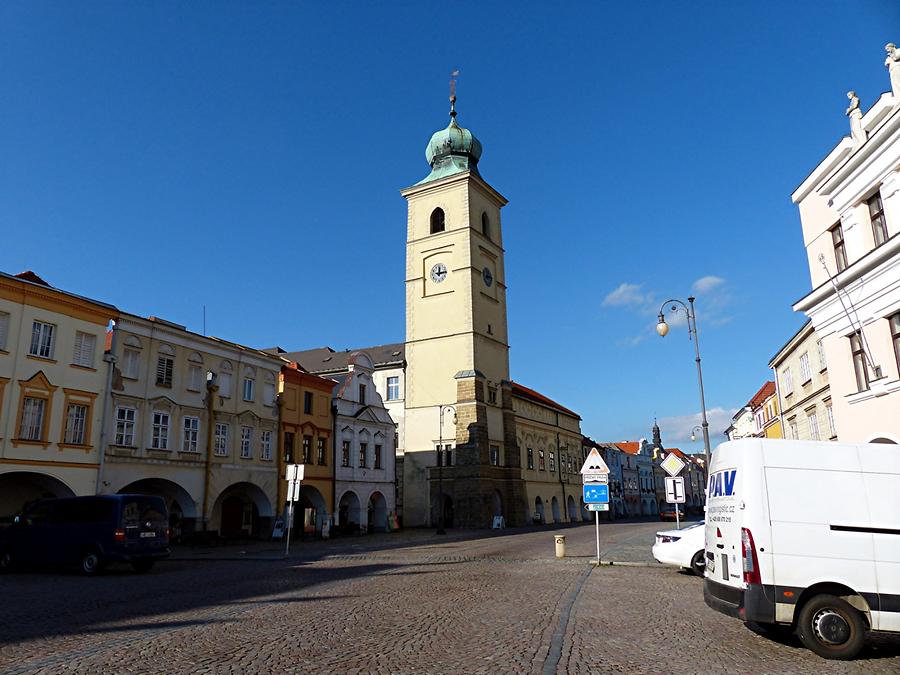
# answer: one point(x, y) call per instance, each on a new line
point(471, 419)
point(511, 451)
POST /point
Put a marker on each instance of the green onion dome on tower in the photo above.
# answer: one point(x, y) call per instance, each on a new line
point(452, 150)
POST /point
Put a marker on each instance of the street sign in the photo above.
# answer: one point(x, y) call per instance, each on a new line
point(594, 464)
point(293, 491)
point(597, 507)
point(294, 472)
point(675, 490)
point(595, 493)
point(672, 464)
point(595, 477)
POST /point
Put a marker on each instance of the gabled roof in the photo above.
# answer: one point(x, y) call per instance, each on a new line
point(530, 394)
point(764, 392)
point(327, 360)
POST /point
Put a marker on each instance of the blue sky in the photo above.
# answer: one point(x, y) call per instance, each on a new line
point(248, 156)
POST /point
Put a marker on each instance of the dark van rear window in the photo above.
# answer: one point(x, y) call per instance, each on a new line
point(139, 510)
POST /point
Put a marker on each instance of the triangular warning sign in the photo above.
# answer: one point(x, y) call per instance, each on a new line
point(594, 463)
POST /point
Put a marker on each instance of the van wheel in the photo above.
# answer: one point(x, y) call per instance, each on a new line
point(831, 628)
point(7, 561)
point(698, 563)
point(91, 562)
point(142, 565)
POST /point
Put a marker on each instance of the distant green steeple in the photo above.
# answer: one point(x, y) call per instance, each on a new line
point(452, 150)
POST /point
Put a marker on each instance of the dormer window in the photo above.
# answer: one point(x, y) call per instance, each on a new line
point(437, 221)
point(485, 224)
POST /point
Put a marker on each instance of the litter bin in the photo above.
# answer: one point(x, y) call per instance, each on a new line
point(560, 545)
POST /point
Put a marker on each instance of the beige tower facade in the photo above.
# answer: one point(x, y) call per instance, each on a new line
point(457, 348)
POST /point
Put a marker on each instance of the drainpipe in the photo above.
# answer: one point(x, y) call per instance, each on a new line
point(279, 444)
point(109, 356)
point(565, 507)
point(211, 389)
point(334, 494)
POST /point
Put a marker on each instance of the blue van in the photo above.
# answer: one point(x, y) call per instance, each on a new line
point(88, 532)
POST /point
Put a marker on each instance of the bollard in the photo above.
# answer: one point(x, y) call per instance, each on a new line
point(560, 545)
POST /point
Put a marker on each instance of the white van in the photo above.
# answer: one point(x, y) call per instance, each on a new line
point(806, 534)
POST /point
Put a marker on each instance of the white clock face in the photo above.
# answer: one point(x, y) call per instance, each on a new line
point(438, 273)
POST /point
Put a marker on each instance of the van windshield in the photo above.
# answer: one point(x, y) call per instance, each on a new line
point(138, 510)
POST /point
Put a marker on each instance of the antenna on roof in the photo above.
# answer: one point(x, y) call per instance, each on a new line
point(453, 77)
point(204, 320)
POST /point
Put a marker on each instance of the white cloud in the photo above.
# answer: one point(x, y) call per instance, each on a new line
point(707, 284)
point(678, 429)
point(626, 294)
point(632, 341)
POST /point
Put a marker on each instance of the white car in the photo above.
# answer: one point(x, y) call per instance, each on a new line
point(685, 547)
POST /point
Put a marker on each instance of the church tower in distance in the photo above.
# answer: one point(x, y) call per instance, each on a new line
point(457, 348)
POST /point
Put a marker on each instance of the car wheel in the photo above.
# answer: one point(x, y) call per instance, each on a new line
point(7, 561)
point(698, 563)
point(142, 565)
point(831, 628)
point(91, 562)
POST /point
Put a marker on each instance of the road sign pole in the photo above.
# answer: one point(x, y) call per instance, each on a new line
point(677, 519)
point(597, 526)
point(287, 539)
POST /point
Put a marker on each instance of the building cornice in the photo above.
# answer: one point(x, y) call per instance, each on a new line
point(441, 183)
point(51, 299)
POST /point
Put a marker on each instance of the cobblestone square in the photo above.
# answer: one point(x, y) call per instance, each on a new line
point(471, 602)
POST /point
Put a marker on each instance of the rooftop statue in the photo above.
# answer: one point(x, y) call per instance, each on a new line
point(855, 114)
point(892, 63)
point(854, 103)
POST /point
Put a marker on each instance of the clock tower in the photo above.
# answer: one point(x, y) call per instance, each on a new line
point(457, 348)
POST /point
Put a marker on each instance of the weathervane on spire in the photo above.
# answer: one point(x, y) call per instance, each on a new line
point(453, 77)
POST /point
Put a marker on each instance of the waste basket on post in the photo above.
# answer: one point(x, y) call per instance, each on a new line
point(560, 545)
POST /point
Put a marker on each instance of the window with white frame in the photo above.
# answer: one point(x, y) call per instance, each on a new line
point(832, 432)
point(125, 422)
point(160, 437)
point(792, 430)
point(131, 363)
point(246, 440)
point(165, 365)
point(321, 457)
point(225, 379)
point(363, 451)
point(552, 461)
point(822, 364)
point(495, 456)
point(269, 390)
point(32, 425)
point(190, 434)
point(805, 372)
point(248, 389)
point(376, 460)
point(83, 353)
point(42, 338)
point(265, 445)
point(195, 377)
point(76, 419)
point(345, 453)
point(393, 388)
point(787, 381)
point(221, 439)
point(4, 330)
point(813, 421)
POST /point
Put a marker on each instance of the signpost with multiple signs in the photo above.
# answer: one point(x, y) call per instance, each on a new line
point(595, 491)
point(294, 475)
point(673, 465)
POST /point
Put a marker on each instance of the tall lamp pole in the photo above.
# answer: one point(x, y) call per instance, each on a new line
point(440, 462)
point(663, 328)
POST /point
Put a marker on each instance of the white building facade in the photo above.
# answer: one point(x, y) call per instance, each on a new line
point(850, 213)
point(365, 450)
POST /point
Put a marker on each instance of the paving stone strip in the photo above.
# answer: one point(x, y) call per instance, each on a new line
point(555, 652)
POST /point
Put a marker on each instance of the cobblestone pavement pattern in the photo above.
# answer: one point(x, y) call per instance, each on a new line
point(407, 603)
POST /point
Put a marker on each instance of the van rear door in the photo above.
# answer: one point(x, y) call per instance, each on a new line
point(145, 521)
point(723, 525)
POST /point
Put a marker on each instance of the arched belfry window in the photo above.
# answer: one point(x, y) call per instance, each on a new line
point(485, 224)
point(437, 221)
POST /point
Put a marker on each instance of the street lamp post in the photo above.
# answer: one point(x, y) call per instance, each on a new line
point(440, 457)
point(663, 328)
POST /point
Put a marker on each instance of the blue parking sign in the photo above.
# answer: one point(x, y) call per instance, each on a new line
point(596, 493)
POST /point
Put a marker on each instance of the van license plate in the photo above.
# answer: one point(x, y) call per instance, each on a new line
point(147, 535)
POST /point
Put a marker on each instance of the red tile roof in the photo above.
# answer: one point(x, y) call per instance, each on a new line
point(631, 447)
point(525, 392)
point(764, 392)
point(28, 275)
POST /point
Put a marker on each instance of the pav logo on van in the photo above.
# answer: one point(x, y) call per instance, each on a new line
point(721, 483)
